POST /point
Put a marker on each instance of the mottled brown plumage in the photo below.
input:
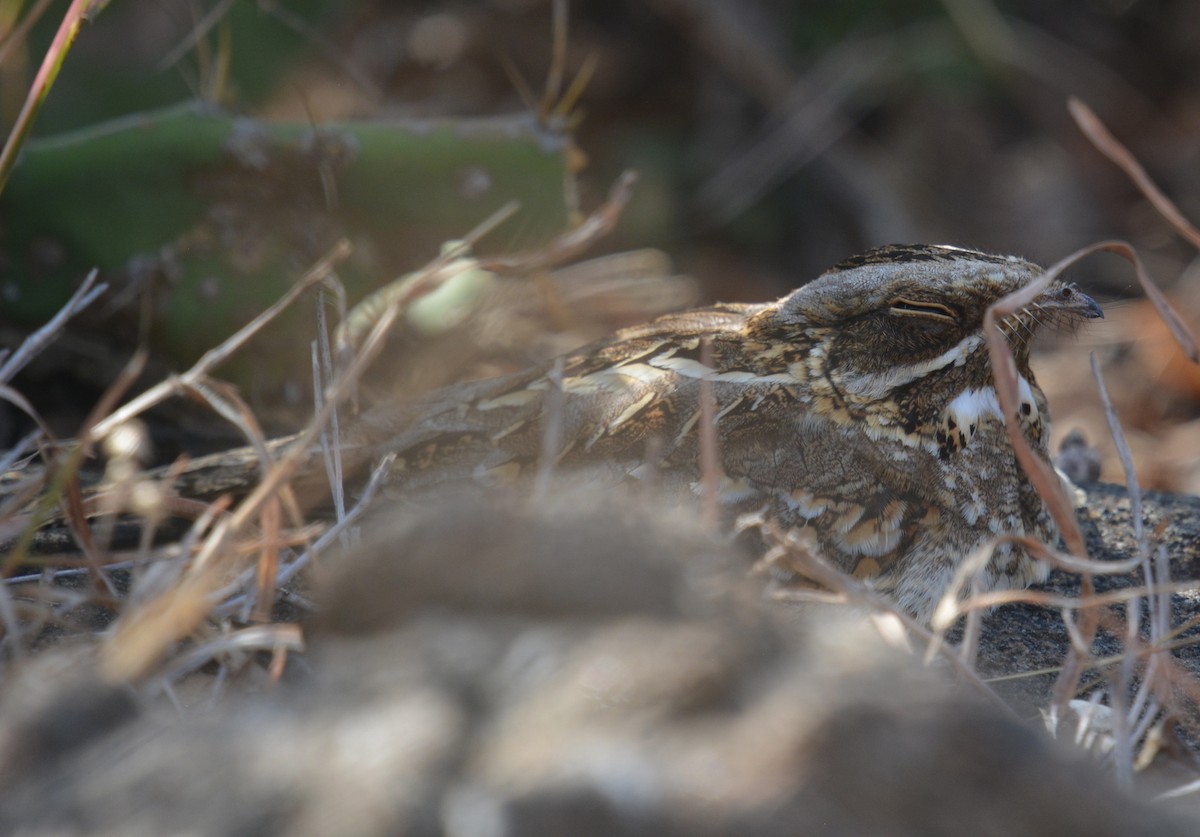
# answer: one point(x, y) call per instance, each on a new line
point(860, 406)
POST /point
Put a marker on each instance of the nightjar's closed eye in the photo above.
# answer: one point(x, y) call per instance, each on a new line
point(927, 310)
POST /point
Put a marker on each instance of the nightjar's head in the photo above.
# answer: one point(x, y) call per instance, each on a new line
point(901, 312)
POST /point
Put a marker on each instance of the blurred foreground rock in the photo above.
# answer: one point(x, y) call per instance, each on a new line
point(587, 669)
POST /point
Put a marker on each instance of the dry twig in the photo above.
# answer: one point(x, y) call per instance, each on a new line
point(1110, 147)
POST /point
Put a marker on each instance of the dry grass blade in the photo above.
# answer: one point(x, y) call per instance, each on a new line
point(1110, 147)
point(950, 607)
point(72, 494)
point(366, 497)
point(1040, 474)
point(325, 45)
point(176, 385)
point(331, 447)
point(289, 570)
point(19, 401)
point(727, 36)
point(254, 638)
point(1183, 790)
point(225, 402)
point(1118, 697)
point(969, 646)
point(268, 562)
point(56, 55)
point(23, 445)
point(1131, 482)
point(142, 637)
point(1097, 663)
point(1005, 374)
point(1157, 605)
point(199, 30)
point(1071, 563)
point(321, 360)
point(113, 394)
point(558, 60)
point(298, 450)
point(808, 121)
point(84, 296)
point(1041, 598)
point(1179, 329)
point(552, 412)
point(20, 33)
point(65, 482)
point(710, 455)
point(72, 506)
point(213, 560)
point(573, 242)
point(565, 109)
point(158, 577)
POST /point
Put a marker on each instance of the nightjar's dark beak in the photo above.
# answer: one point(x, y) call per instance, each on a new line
point(1067, 299)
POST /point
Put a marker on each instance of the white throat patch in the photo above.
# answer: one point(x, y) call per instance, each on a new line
point(971, 407)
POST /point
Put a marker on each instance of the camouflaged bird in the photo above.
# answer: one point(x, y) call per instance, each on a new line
point(860, 406)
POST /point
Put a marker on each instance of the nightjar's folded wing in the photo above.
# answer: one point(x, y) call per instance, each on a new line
point(604, 404)
point(497, 426)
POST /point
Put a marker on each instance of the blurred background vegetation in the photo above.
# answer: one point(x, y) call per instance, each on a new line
point(773, 138)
